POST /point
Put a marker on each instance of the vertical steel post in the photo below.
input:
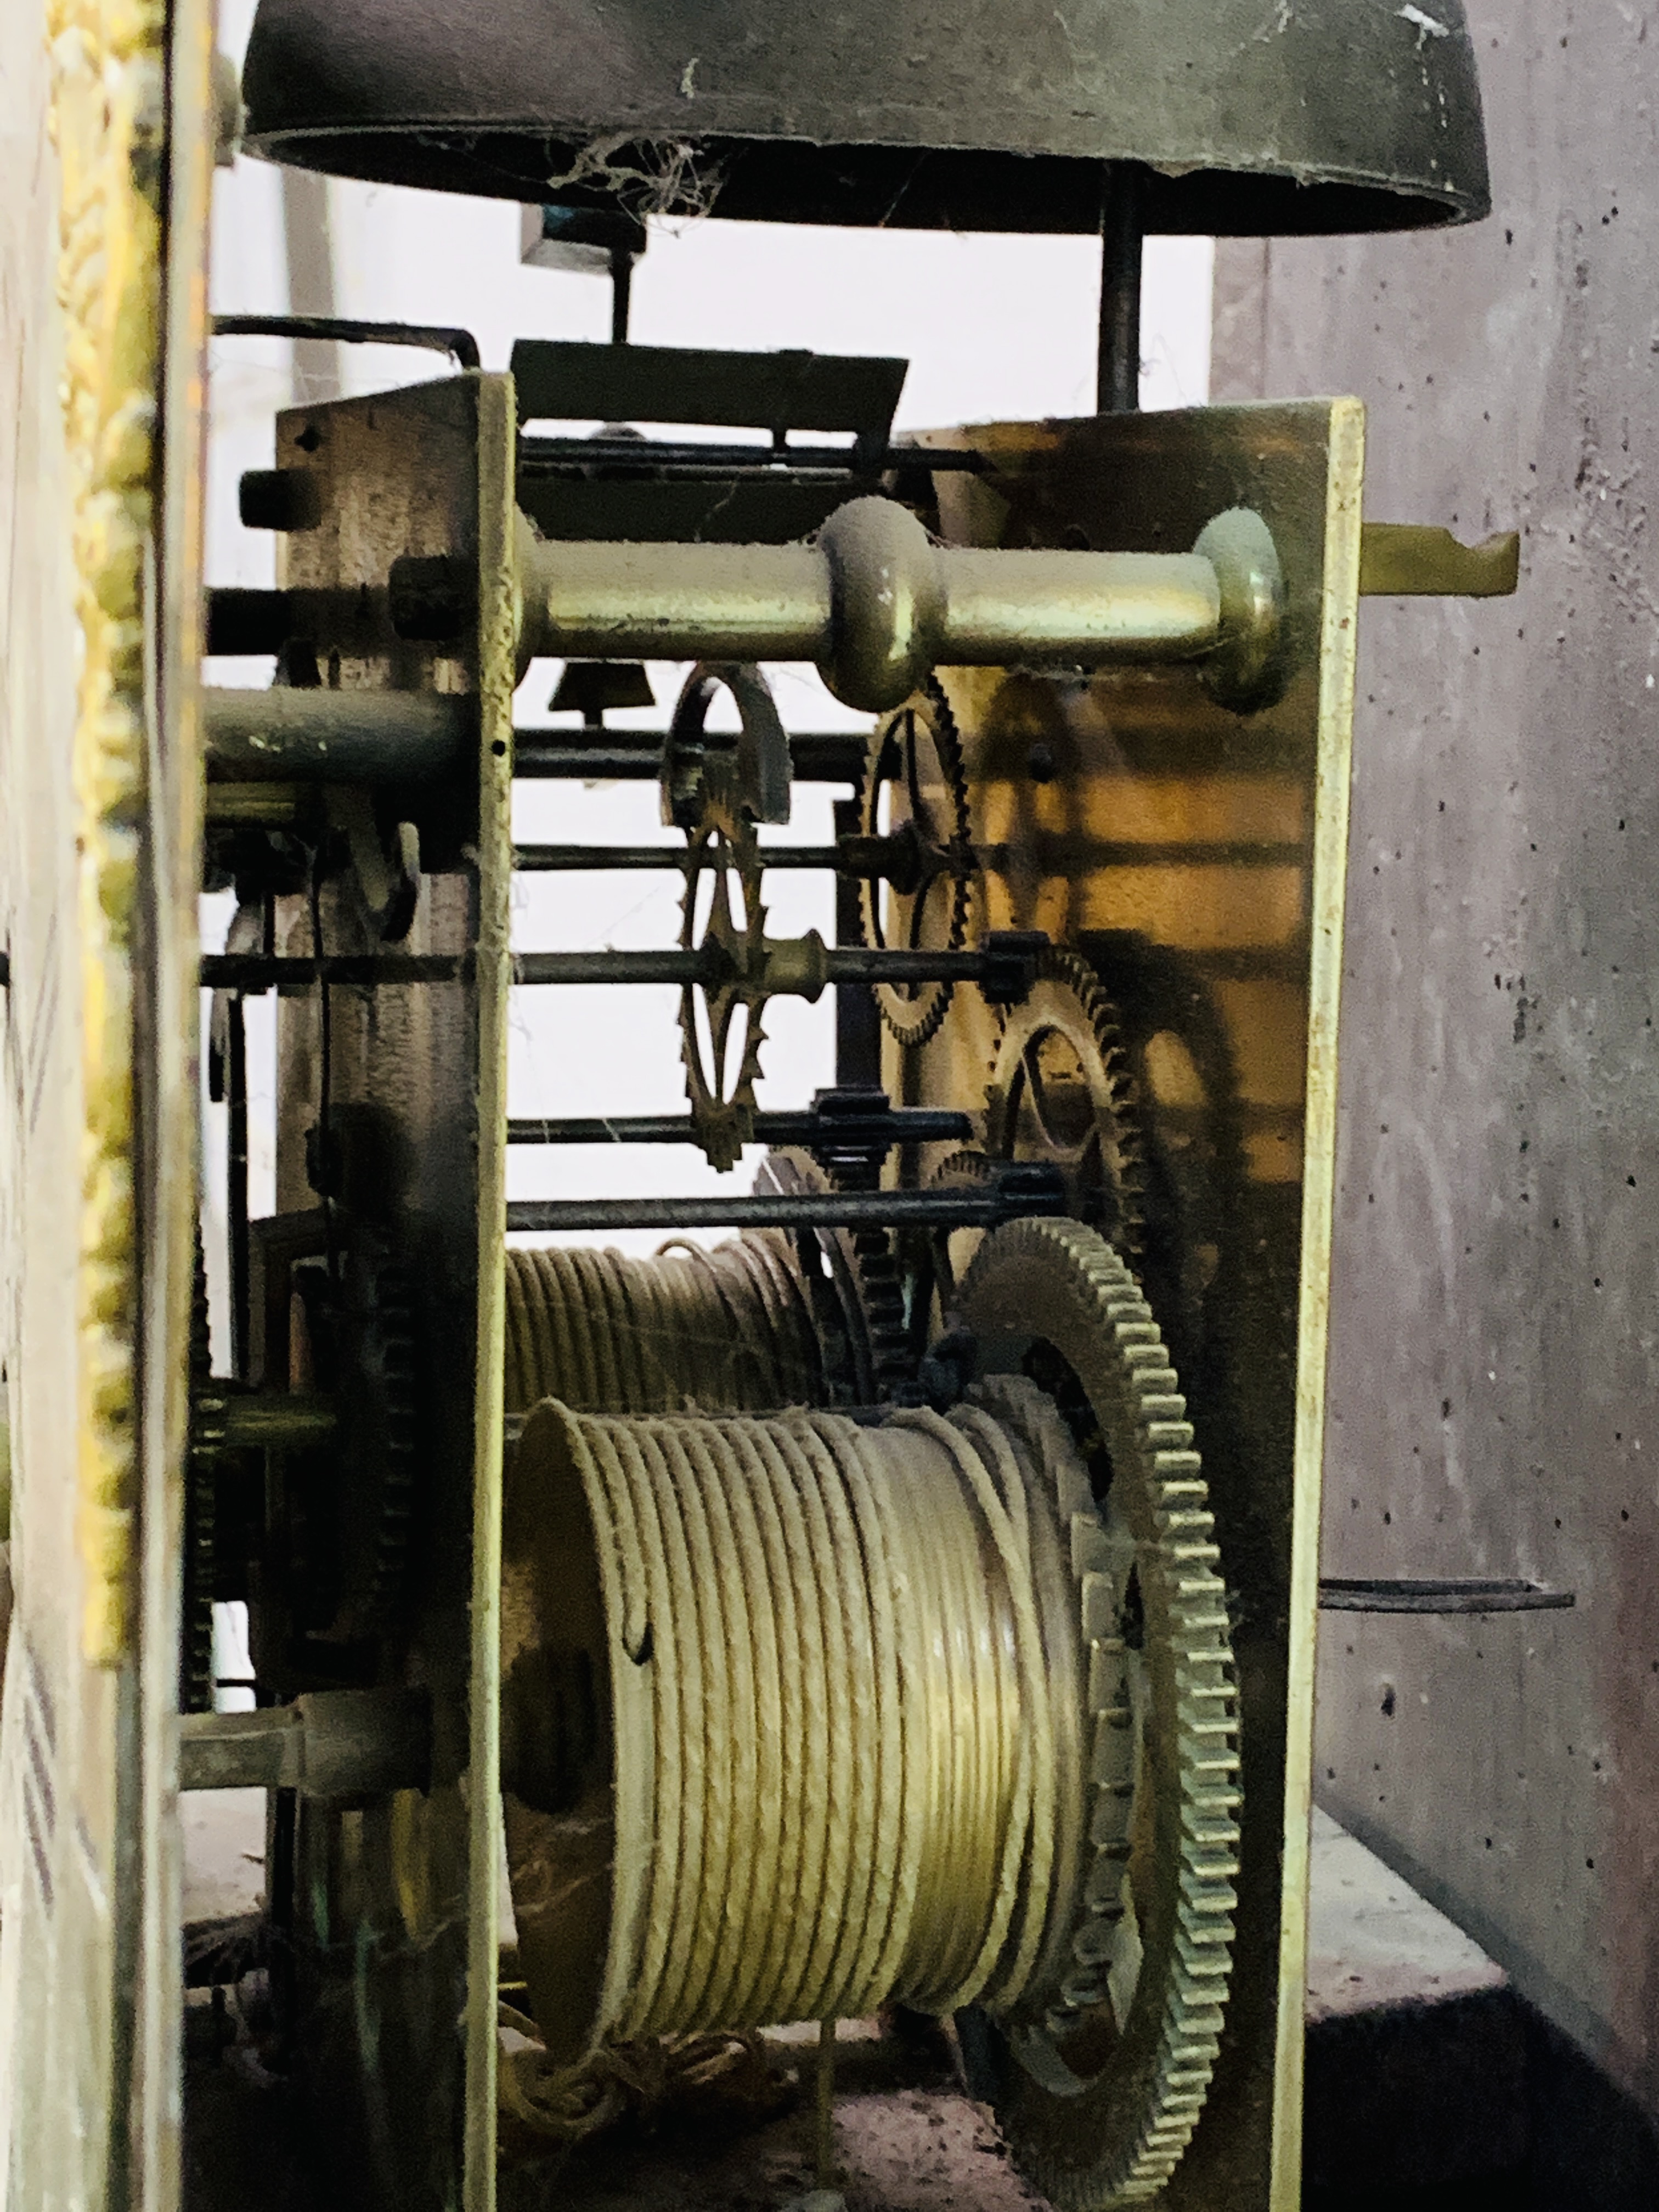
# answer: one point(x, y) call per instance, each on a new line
point(858, 1024)
point(1122, 217)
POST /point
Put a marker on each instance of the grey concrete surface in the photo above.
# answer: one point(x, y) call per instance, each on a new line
point(1373, 1943)
point(1494, 1391)
point(1417, 2051)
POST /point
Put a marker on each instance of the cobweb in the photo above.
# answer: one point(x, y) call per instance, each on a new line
point(667, 178)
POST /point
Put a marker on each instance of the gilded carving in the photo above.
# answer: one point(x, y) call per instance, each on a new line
point(107, 122)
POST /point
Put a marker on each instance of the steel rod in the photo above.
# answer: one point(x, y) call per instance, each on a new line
point(599, 859)
point(635, 756)
point(849, 964)
point(909, 1125)
point(856, 964)
point(336, 736)
point(1122, 248)
point(983, 1207)
point(258, 971)
point(562, 761)
point(297, 736)
point(536, 969)
point(260, 1750)
point(668, 458)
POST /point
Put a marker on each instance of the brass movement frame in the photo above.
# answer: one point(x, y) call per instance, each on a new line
point(1202, 854)
point(1195, 853)
point(396, 1922)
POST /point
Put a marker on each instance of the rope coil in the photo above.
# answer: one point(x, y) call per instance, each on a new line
point(729, 1328)
point(837, 1779)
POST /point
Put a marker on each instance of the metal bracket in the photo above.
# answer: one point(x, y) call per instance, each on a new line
point(1421, 559)
point(1438, 1594)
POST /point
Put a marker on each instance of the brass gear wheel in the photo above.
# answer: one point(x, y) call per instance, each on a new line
point(379, 1442)
point(966, 1166)
point(951, 1250)
point(205, 1458)
point(856, 1290)
point(1099, 2086)
point(1062, 1090)
point(915, 792)
point(351, 1503)
point(721, 1031)
point(881, 1286)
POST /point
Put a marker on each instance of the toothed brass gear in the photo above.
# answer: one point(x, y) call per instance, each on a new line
point(392, 1389)
point(1062, 1090)
point(966, 1165)
point(965, 1169)
point(205, 1458)
point(1099, 2085)
point(915, 790)
point(853, 1280)
point(374, 1323)
point(724, 852)
point(881, 1286)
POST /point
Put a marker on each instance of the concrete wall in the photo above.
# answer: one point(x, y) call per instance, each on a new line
point(1494, 1379)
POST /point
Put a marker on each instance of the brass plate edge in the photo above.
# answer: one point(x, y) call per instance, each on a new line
point(1339, 622)
point(496, 435)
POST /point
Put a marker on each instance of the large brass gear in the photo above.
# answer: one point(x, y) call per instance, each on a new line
point(915, 792)
point(1100, 2093)
point(721, 1030)
point(716, 795)
point(1062, 1090)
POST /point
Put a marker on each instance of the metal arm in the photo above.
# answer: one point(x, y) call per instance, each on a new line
point(877, 604)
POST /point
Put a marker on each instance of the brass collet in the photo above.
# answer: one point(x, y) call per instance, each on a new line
point(877, 604)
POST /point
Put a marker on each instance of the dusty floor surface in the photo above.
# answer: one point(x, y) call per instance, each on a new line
point(919, 2151)
point(907, 2140)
